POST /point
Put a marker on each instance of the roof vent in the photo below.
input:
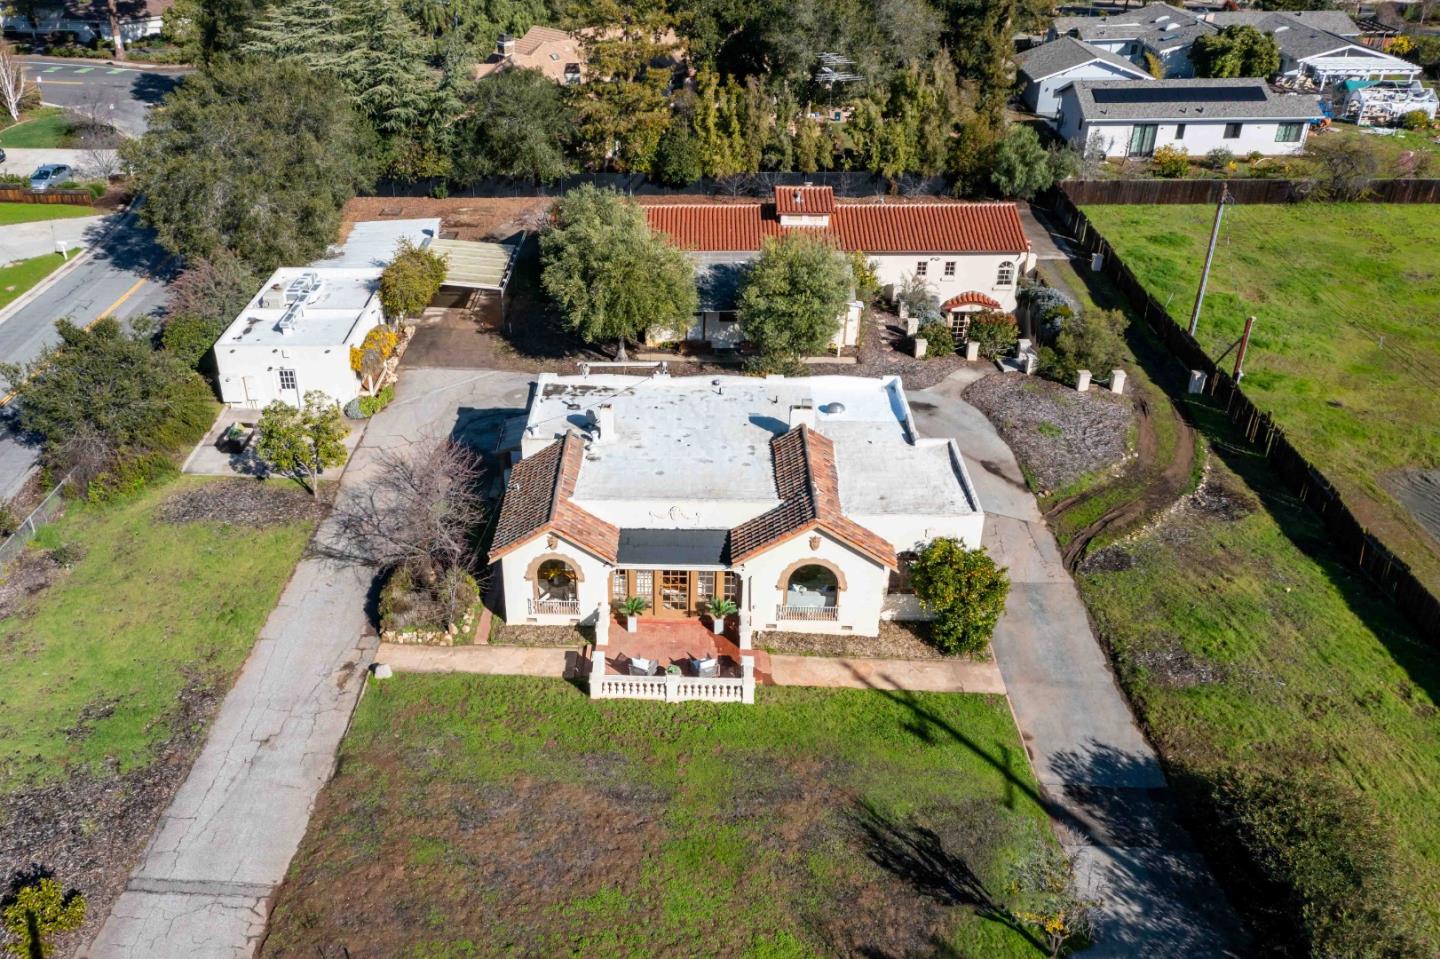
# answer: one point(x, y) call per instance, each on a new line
point(833, 409)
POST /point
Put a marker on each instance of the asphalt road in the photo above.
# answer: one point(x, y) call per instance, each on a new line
point(123, 277)
point(125, 93)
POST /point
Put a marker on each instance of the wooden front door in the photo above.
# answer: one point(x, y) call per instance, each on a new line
point(672, 595)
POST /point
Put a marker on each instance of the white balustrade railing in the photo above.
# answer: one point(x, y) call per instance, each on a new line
point(810, 614)
point(555, 607)
point(674, 689)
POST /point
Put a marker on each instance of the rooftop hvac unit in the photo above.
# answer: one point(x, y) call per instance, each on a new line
point(303, 288)
point(286, 324)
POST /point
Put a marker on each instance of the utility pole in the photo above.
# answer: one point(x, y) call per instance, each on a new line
point(1244, 345)
point(1209, 258)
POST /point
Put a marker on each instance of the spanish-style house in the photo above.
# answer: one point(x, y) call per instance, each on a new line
point(557, 54)
point(800, 500)
point(1051, 67)
point(971, 255)
point(1132, 118)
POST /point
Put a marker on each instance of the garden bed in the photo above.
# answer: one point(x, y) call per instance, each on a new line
point(896, 641)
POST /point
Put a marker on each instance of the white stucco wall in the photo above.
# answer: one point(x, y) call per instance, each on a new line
point(859, 604)
point(592, 586)
point(1043, 96)
point(973, 271)
point(1202, 137)
point(249, 374)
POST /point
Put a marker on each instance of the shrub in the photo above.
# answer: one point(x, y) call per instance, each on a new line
point(411, 280)
point(9, 522)
point(368, 359)
point(1344, 166)
point(919, 300)
point(1171, 161)
point(1094, 341)
point(1328, 858)
point(38, 910)
point(189, 336)
point(996, 332)
point(129, 476)
point(1219, 159)
point(964, 589)
point(939, 341)
point(1414, 120)
point(368, 406)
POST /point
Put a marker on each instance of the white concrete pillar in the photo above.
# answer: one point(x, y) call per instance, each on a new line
point(1082, 381)
point(602, 624)
point(747, 680)
point(972, 351)
point(1117, 381)
point(920, 347)
point(597, 672)
point(743, 629)
point(1197, 381)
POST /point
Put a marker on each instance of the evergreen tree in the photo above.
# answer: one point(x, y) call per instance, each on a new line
point(677, 158)
point(516, 123)
point(793, 295)
point(1238, 50)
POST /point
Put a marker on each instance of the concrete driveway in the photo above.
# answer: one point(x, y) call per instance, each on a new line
point(23, 161)
point(1108, 794)
point(203, 886)
point(21, 241)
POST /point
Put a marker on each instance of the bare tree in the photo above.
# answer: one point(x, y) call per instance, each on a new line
point(423, 510)
point(14, 88)
point(102, 164)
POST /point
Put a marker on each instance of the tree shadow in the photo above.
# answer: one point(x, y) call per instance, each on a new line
point(151, 88)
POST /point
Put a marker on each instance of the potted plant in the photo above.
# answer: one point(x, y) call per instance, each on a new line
point(632, 608)
point(719, 610)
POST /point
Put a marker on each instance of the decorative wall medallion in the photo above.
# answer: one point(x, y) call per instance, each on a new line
point(814, 542)
point(552, 541)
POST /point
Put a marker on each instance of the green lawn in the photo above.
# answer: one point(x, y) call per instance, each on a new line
point(1346, 350)
point(149, 609)
point(11, 213)
point(503, 816)
point(45, 128)
point(21, 275)
point(1243, 640)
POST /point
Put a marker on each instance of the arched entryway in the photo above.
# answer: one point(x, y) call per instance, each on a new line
point(812, 591)
point(556, 585)
point(959, 309)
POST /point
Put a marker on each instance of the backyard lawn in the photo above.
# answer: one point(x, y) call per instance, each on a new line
point(1346, 350)
point(504, 816)
point(11, 213)
point(92, 672)
point(1245, 642)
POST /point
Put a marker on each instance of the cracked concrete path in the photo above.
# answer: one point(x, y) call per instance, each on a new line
point(203, 885)
point(1101, 779)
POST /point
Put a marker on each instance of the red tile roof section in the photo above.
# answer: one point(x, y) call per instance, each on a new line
point(804, 200)
point(869, 227)
point(538, 501)
point(808, 485)
point(972, 298)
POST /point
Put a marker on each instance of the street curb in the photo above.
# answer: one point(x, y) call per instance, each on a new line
point(24, 299)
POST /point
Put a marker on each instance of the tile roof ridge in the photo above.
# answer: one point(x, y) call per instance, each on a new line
point(557, 495)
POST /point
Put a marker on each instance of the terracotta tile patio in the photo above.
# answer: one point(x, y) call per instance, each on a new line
point(677, 642)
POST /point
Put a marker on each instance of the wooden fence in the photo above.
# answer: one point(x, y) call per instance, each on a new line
point(1307, 482)
point(19, 194)
point(1241, 191)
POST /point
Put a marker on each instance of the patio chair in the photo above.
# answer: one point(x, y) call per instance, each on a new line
point(642, 667)
point(707, 668)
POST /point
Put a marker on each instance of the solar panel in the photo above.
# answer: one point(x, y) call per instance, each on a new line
point(1153, 94)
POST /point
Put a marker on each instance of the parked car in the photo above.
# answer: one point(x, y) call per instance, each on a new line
point(50, 175)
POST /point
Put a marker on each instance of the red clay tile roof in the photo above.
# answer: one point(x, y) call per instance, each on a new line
point(809, 489)
point(972, 298)
point(869, 227)
point(804, 200)
point(538, 501)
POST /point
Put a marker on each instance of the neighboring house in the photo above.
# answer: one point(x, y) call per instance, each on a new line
point(801, 500)
point(295, 336)
point(555, 53)
point(1158, 29)
point(971, 255)
point(1134, 117)
point(1050, 67)
point(89, 20)
point(1317, 56)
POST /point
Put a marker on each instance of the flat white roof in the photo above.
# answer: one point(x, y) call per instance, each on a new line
point(708, 438)
point(328, 317)
point(372, 243)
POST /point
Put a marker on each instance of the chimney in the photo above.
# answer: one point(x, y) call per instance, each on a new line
point(505, 46)
point(604, 416)
point(797, 197)
point(802, 414)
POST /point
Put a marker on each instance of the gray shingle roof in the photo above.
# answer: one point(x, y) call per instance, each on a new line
point(1334, 21)
point(1180, 100)
point(1051, 58)
point(1158, 24)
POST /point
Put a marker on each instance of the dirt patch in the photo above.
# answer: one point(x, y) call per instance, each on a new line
point(89, 829)
point(1419, 492)
point(1167, 664)
point(1059, 435)
point(245, 502)
point(896, 641)
point(26, 578)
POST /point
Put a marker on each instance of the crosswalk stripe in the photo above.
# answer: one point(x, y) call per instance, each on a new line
point(115, 70)
point(52, 70)
point(84, 69)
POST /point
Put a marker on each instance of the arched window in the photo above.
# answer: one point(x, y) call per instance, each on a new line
point(812, 586)
point(1005, 276)
point(555, 582)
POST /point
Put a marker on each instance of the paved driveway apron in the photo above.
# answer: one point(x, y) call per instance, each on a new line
point(202, 888)
point(1102, 779)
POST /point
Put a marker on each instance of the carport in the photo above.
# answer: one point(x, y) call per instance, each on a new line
point(473, 268)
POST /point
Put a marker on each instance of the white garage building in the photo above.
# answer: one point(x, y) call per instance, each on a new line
point(1051, 67)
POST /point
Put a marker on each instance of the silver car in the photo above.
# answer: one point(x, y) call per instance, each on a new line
point(50, 175)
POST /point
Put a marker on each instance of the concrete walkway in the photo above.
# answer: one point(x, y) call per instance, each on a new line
point(203, 885)
point(1107, 792)
point(914, 675)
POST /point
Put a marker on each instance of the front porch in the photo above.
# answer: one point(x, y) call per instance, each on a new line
point(674, 661)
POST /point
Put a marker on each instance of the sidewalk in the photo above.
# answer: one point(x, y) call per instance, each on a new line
point(918, 675)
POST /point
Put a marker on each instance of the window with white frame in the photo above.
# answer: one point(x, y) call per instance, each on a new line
point(921, 267)
point(949, 267)
point(287, 380)
point(1005, 276)
point(1287, 132)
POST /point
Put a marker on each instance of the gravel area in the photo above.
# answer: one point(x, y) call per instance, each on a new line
point(896, 641)
point(1058, 435)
